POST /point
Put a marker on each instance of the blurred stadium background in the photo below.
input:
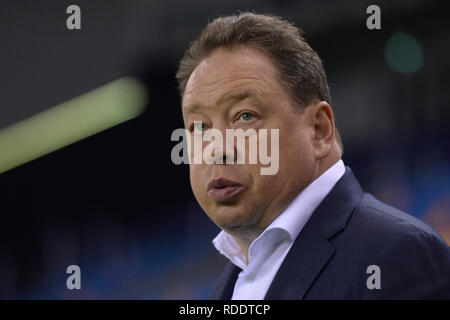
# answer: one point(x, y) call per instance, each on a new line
point(114, 204)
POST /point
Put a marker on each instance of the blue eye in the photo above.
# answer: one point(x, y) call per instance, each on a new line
point(199, 126)
point(247, 116)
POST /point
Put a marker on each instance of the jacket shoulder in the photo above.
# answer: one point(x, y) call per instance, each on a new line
point(383, 222)
point(414, 260)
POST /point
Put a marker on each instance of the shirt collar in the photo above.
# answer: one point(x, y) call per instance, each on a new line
point(291, 221)
point(300, 210)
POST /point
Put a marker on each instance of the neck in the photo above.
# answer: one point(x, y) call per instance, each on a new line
point(245, 238)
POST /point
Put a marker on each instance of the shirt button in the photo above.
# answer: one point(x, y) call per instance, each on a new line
point(250, 278)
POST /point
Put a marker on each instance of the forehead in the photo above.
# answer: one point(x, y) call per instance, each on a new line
point(225, 71)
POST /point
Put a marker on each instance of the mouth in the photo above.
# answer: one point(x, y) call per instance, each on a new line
point(224, 190)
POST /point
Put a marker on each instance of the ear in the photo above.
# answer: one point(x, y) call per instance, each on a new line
point(323, 129)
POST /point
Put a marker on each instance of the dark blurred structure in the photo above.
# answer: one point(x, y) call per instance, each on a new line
point(114, 203)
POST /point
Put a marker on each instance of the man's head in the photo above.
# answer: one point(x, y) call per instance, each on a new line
point(256, 71)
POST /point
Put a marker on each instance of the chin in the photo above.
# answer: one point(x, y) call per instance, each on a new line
point(234, 219)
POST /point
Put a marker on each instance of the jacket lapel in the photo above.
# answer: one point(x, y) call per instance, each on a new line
point(224, 287)
point(312, 249)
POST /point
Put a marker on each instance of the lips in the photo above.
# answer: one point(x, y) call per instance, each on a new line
point(223, 190)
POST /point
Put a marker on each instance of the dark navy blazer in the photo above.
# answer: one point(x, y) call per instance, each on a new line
point(347, 233)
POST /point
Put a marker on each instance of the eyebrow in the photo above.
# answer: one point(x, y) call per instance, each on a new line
point(229, 97)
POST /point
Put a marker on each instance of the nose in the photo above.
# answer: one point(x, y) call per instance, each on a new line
point(218, 150)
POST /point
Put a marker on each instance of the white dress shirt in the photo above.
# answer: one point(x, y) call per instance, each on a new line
point(268, 250)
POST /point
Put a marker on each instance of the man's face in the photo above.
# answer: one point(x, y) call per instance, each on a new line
point(241, 89)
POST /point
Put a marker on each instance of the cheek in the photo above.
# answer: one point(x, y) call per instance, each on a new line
point(265, 187)
point(295, 143)
point(296, 158)
point(195, 178)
